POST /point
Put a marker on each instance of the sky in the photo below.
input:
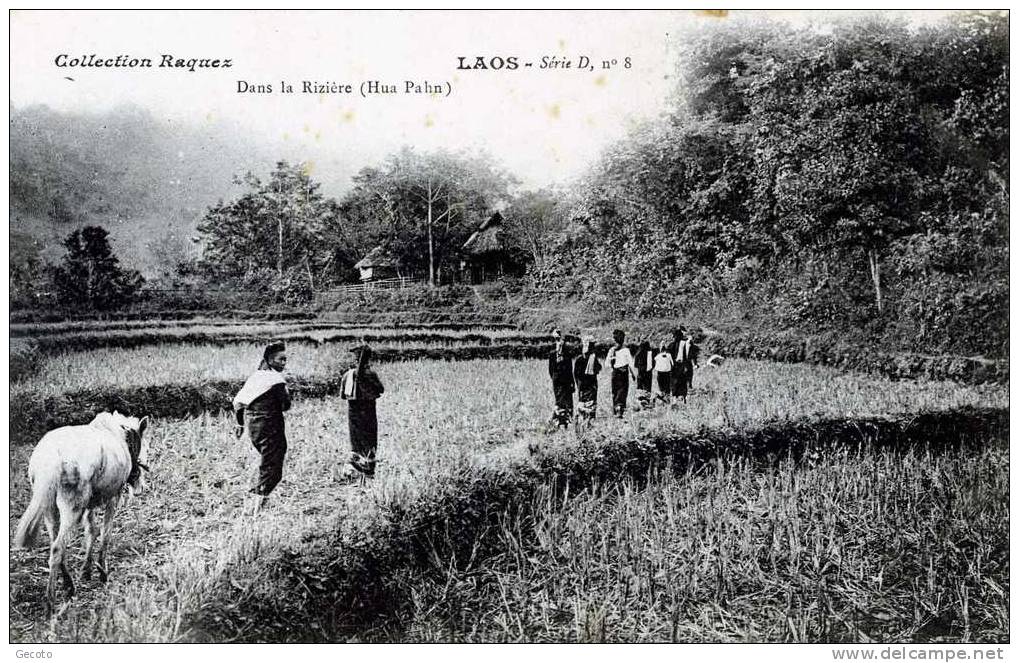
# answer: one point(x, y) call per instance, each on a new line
point(545, 126)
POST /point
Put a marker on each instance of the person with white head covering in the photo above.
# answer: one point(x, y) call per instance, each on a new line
point(260, 404)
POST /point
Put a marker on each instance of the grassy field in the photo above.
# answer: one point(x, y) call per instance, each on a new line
point(179, 364)
point(181, 548)
point(851, 546)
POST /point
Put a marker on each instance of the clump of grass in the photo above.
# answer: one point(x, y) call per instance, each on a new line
point(847, 545)
point(25, 359)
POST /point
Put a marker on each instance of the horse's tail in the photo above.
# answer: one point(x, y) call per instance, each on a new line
point(28, 526)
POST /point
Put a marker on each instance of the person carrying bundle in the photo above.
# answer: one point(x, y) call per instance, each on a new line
point(261, 403)
point(560, 370)
point(620, 362)
point(361, 387)
point(585, 374)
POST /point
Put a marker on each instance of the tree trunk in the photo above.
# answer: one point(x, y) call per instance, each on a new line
point(431, 242)
point(279, 232)
point(90, 284)
point(311, 279)
point(875, 275)
point(279, 246)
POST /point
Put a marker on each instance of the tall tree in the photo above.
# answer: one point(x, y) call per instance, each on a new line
point(534, 220)
point(275, 228)
point(429, 198)
point(90, 276)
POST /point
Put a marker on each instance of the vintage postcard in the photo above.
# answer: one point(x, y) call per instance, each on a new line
point(510, 327)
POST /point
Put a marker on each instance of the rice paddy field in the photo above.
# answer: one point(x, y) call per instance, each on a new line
point(481, 526)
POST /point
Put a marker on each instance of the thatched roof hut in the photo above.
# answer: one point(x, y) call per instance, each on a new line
point(488, 252)
point(488, 238)
point(380, 262)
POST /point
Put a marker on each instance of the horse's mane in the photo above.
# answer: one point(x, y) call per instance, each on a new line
point(115, 422)
point(127, 428)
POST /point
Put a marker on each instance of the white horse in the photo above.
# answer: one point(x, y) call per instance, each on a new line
point(81, 471)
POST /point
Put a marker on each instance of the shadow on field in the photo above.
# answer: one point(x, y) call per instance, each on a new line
point(345, 585)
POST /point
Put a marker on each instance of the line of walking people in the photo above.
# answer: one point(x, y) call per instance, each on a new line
point(663, 377)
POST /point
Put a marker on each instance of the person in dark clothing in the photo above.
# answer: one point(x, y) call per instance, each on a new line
point(644, 362)
point(361, 387)
point(694, 354)
point(620, 361)
point(682, 371)
point(261, 403)
point(585, 374)
point(560, 370)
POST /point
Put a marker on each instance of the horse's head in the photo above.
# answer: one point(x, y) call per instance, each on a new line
point(138, 447)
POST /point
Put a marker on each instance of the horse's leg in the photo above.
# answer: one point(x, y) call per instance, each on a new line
point(51, 520)
point(104, 537)
point(90, 536)
point(70, 515)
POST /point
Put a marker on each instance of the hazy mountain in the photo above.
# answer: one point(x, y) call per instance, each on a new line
point(146, 180)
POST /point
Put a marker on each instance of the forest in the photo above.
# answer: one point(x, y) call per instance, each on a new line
point(850, 179)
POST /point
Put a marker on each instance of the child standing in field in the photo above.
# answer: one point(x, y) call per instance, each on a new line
point(261, 403)
point(620, 362)
point(663, 375)
point(560, 370)
point(644, 362)
point(585, 373)
point(361, 387)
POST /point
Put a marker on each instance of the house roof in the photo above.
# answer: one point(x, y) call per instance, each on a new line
point(487, 238)
point(380, 256)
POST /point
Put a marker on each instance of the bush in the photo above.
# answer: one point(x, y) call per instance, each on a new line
point(25, 358)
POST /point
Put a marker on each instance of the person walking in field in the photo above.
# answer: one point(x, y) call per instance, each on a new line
point(663, 375)
point(694, 353)
point(682, 365)
point(585, 374)
point(644, 363)
point(620, 362)
point(260, 404)
point(560, 370)
point(361, 387)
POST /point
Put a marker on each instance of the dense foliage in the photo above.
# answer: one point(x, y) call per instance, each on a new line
point(423, 206)
point(850, 177)
point(271, 237)
point(90, 277)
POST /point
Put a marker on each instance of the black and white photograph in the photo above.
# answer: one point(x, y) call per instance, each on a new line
point(560, 327)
